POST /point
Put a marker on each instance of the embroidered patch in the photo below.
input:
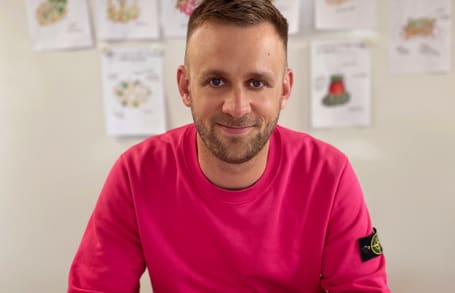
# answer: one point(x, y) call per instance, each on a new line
point(370, 247)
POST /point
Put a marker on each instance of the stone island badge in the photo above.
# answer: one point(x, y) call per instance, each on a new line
point(370, 247)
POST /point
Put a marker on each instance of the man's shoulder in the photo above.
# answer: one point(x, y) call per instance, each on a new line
point(166, 143)
point(301, 144)
point(304, 140)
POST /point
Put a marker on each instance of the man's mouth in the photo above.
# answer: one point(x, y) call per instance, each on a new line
point(235, 130)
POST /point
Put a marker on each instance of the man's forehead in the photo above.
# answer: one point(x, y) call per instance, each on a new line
point(215, 28)
point(213, 36)
point(213, 43)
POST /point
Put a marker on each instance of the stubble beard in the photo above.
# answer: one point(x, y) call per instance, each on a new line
point(234, 150)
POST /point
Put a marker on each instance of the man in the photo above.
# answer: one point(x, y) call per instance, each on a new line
point(233, 202)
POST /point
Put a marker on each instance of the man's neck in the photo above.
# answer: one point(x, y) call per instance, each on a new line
point(231, 176)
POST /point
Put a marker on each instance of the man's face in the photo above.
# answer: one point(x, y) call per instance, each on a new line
point(236, 82)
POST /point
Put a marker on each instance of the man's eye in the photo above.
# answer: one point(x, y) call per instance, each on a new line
point(216, 82)
point(256, 84)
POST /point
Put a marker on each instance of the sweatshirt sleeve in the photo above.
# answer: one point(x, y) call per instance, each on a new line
point(110, 258)
point(344, 267)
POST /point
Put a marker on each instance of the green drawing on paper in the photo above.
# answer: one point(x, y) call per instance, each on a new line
point(132, 93)
point(51, 11)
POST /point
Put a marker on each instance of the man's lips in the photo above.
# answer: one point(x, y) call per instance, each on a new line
point(235, 130)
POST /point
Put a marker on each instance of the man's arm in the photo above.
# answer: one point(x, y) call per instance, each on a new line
point(350, 266)
point(109, 258)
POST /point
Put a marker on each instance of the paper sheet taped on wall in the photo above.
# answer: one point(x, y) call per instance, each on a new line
point(59, 24)
point(420, 34)
point(345, 14)
point(175, 15)
point(340, 84)
point(133, 92)
point(291, 10)
point(127, 19)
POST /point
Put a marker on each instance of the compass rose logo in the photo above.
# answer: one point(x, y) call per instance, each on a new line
point(375, 245)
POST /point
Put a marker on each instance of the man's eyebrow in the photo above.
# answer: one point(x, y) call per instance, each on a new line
point(259, 75)
point(212, 72)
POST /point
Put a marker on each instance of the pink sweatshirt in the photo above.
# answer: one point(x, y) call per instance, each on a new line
point(295, 230)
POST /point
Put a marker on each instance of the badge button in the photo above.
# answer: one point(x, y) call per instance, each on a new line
point(370, 247)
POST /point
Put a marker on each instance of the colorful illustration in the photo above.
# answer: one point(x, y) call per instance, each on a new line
point(337, 2)
point(187, 6)
point(119, 11)
point(51, 11)
point(419, 27)
point(132, 93)
point(337, 93)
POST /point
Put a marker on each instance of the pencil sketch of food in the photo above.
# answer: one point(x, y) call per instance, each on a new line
point(132, 93)
point(187, 6)
point(419, 27)
point(337, 2)
point(121, 11)
point(337, 94)
point(51, 11)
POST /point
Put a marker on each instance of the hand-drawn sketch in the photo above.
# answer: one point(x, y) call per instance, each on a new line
point(121, 11)
point(132, 93)
point(345, 14)
point(419, 27)
point(51, 11)
point(337, 94)
point(59, 24)
point(187, 6)
point(420, 36)
point(122, 20)
point(340, 84)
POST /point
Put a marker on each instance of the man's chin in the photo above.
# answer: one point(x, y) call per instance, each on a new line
point(234, 159)
point(237, 152)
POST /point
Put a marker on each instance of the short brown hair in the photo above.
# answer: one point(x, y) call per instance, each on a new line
point(239, 12)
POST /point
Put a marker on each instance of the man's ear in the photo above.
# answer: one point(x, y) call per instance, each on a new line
point(184, 85)
point(288, 82)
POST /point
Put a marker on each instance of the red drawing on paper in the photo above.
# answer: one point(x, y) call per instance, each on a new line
point(187, 6)
point(337, 94)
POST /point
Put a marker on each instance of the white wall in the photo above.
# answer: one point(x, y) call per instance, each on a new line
point(54, 156)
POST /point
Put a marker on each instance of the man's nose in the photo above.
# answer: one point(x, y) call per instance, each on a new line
point(237, 103)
